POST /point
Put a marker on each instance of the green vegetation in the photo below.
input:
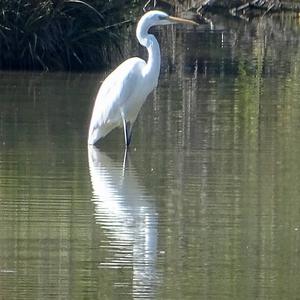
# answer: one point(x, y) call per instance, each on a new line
point(56, 34)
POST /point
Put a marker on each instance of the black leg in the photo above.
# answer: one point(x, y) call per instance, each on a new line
point(125, 130)
point(128, 133)
point(127, 126)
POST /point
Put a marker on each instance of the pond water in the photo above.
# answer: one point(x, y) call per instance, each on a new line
point(205, 205)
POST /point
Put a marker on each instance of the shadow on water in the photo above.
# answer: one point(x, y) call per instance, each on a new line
point(129, 219)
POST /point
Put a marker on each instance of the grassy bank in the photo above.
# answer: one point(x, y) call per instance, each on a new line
point(57, 34)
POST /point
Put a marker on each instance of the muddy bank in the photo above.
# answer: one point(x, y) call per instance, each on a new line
point(239, 8)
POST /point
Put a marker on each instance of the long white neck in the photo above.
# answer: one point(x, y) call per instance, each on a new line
point(150, 42)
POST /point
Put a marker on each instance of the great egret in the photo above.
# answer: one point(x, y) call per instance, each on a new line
point(124, 91)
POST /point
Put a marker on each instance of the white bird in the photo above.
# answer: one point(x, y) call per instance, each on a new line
point(124, 91)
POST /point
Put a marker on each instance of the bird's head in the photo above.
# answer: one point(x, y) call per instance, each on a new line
point(153, 18)
point(156, 17)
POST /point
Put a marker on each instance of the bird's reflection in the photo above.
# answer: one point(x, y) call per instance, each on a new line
point(129, 218)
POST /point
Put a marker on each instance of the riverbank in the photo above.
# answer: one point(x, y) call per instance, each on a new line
point(72, 35)
point(240, 8)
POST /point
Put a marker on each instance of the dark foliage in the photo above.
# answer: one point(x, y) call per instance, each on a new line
point(55, 35)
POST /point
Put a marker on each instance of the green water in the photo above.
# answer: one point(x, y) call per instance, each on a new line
point(206, 205)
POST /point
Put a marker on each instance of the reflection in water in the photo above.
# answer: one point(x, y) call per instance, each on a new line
point(128, 217)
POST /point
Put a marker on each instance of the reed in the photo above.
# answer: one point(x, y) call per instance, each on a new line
point(55, 35)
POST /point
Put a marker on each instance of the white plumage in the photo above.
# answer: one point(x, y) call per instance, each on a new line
point(124, 91)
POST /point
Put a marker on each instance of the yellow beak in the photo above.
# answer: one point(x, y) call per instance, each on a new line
point(181, 20)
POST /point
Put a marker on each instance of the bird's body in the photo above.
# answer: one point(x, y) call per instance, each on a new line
point(124, 86)
point(124, 91)
point(129, 86)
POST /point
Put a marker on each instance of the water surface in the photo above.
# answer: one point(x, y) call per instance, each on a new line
point(205, 205)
